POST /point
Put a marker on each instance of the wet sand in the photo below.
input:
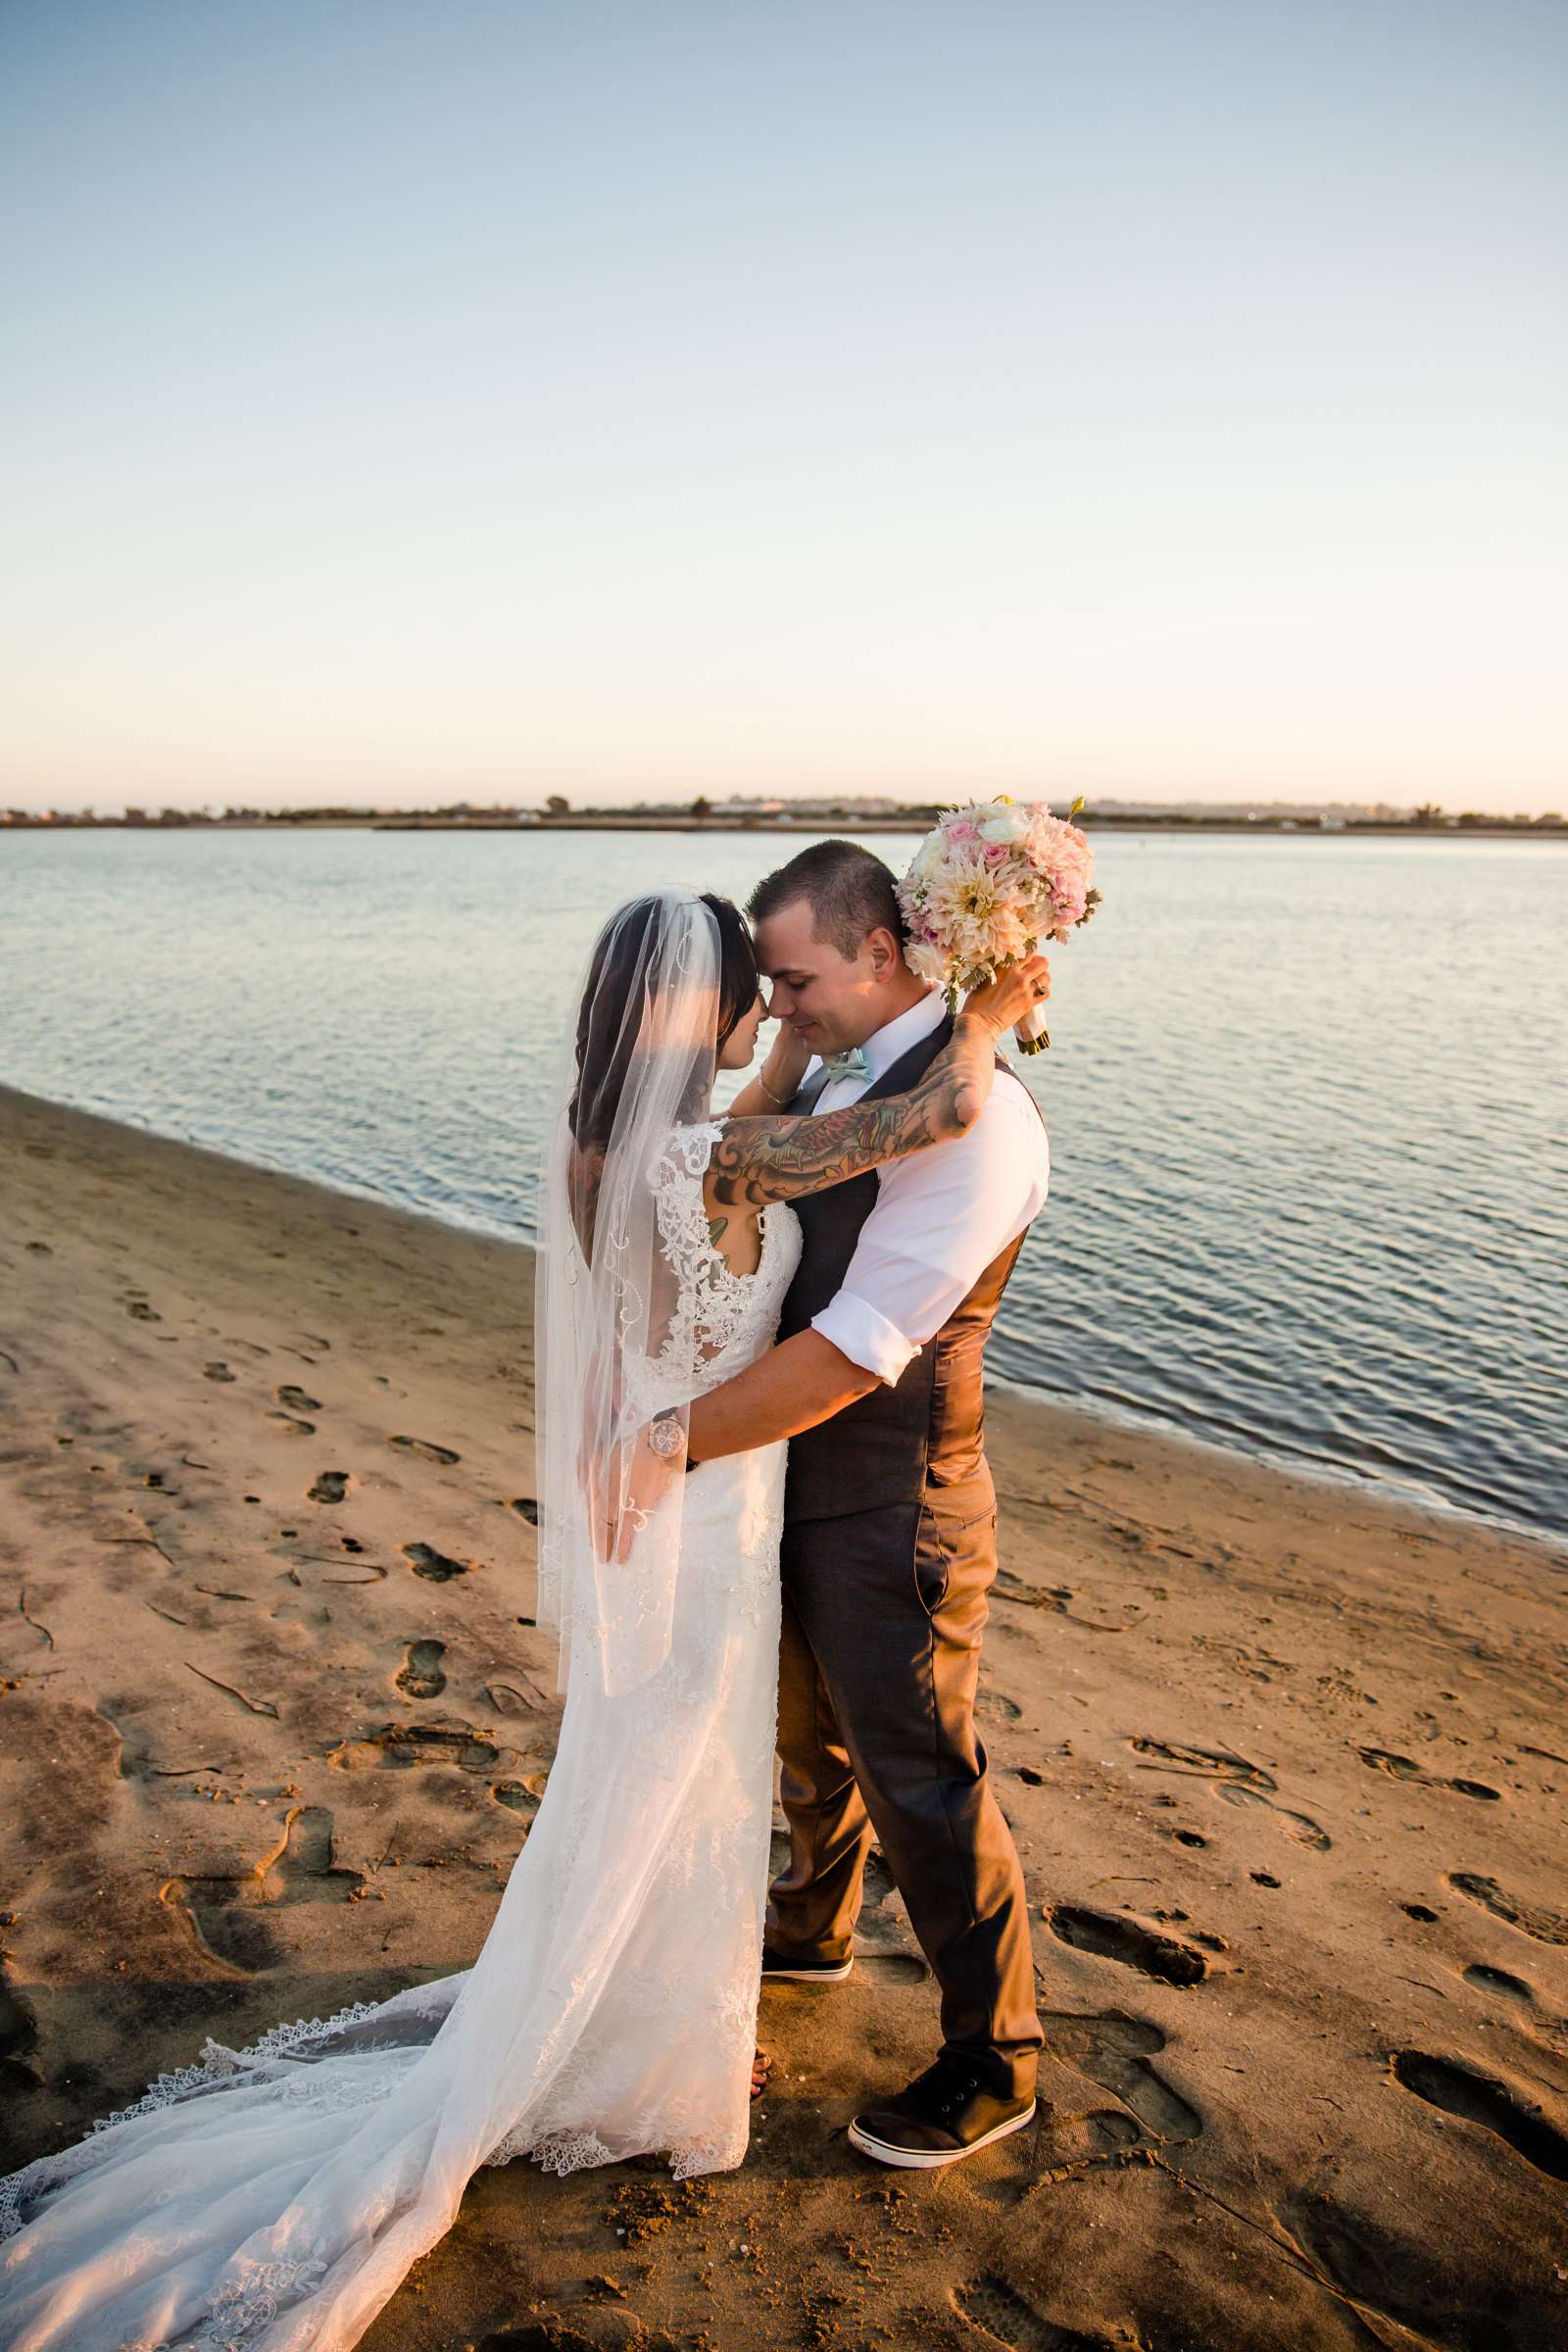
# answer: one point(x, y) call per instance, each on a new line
point(1287, 1762)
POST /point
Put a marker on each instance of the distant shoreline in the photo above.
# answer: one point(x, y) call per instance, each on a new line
point(1294, 829)
point(876, 824)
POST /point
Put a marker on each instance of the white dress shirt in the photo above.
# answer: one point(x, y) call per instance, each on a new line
point(941, 1215)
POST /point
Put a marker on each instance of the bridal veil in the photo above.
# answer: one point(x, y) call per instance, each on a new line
point(270, 2199)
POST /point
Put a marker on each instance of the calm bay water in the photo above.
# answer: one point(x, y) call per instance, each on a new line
point(1307, 1100)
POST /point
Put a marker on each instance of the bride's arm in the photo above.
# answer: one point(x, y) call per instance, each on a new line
point(761, 1159)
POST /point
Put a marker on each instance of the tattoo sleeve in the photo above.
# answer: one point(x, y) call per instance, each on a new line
point(758, 1160)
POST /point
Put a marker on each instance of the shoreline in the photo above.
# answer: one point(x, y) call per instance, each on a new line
point(1294, 828)
point(1283, 1759)
point(1098, 1413)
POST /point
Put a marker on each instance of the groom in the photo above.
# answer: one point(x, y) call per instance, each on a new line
point(890, 1512)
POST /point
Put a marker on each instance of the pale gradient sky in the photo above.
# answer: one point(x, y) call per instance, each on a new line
point(480, 399)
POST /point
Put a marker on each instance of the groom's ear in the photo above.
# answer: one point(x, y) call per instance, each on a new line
point(884, 951)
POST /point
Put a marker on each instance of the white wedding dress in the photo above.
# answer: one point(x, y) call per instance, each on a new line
point(272, 2198)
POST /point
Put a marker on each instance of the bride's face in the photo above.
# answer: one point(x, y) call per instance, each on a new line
point(740, 1046)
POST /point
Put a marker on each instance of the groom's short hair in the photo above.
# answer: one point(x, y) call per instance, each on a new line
point(849, 891)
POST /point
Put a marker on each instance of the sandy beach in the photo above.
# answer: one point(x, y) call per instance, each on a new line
point(1287, 1761)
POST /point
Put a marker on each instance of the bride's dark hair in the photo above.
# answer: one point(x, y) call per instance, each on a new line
point(608, 1023)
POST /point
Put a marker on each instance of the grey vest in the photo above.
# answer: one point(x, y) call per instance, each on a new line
point(927, 1432)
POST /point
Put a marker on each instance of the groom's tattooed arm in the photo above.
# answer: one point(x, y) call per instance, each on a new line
point(757, 1160)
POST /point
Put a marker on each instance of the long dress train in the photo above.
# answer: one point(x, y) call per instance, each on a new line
point(271, 2199)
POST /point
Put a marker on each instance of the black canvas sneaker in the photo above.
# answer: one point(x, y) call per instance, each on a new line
point(947, 2114)
point(806, 1971)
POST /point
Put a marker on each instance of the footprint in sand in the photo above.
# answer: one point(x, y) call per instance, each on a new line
point(526, 1509)
point(143, 1312)
point(1464, 2091)
point(422, 1675)
point(995, 2313)
point(40, 1249)
point(1113, 1937)
point(520, 1796)
point(217, 1371)
point(295, 1428)
point(405, 1747)
point(890, 1970)
point(1209, 1763)
point(994, 1706)
point(1114, 2052)
point(522, 1696)
point(1498, 1980)
point(1237, 1779)
point(295, 1400)
point(515, 1797)
point(1547, 1927)
point(1300, 1826)
point(439, 1566)
point(330, 1487)
point(428, 1451)
point(1406, 1768)
point(226, 1915)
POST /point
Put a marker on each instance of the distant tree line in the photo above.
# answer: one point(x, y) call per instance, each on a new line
point(914, 816)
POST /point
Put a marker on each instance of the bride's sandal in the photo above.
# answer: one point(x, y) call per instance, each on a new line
point(761, 2065)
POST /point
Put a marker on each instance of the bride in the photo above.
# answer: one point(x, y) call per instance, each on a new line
point(272, 2198)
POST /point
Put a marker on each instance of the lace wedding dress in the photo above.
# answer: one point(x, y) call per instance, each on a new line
point(272, 2198)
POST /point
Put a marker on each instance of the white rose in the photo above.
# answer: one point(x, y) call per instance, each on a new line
point(1004, 827)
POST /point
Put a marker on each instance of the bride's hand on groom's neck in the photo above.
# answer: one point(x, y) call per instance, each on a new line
point(787, 1060)
point(777, 1082)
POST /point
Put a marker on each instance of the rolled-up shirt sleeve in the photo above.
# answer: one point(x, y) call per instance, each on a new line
point(940, 1219)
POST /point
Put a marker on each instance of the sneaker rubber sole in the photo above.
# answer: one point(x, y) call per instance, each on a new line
point(783, 1972)
point(930, 2160)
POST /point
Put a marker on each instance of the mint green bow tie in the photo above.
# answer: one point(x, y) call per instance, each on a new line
point(850, 1063)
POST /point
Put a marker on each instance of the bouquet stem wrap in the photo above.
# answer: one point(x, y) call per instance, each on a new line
point(1031, 1032)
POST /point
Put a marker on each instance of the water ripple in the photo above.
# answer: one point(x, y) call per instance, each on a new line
point(1308, 1159)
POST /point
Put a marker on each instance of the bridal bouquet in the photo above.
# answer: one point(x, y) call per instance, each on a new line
point(988, 884)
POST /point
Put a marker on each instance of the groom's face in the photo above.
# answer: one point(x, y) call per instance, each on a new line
point(829, 1001)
